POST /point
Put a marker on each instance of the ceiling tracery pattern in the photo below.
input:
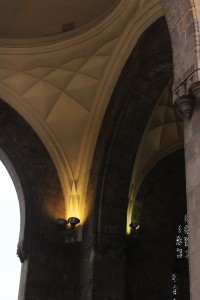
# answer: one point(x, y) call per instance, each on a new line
point(62, 89)
point(51, 91)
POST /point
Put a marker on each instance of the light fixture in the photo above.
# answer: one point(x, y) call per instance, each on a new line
point(134, 226)
point(61, 224)
point(68, 232)
point(73, 221)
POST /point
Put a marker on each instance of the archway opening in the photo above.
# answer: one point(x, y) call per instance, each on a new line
point(144, 77)
point(9, 232)
point(154, 252)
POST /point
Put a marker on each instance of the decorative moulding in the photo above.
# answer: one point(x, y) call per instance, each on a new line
point(185, 105)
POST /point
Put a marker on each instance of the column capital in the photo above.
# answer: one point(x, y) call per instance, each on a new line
point(185, 105)
point(194, 90)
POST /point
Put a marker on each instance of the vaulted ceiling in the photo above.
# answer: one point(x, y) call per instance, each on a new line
point(61, 83)
point(35, 18)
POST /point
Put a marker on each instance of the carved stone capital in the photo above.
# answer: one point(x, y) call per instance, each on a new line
point(194, 90)
point(185, 105)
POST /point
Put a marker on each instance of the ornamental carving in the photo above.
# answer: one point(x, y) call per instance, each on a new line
point(185, 105)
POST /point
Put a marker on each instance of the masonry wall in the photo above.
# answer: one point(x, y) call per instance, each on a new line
point(50, 268)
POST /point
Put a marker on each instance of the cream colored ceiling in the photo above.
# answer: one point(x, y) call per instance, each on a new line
point(163, 134)
point(36, 18)
point(62, 89)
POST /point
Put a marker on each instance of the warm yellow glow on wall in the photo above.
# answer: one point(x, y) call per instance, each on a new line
point(130, 210)
point(73, 205)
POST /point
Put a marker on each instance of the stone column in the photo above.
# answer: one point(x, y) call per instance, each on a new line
point(189, 106)
point(103, 269)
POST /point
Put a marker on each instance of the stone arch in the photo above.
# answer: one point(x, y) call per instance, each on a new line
point(23, 239)
point(30, 116)
point(41, 202)
point(21, 252)
point(163, 134)
point(129, 109)
point(142, 79)
point(30, 159)
point(182, 18)
point(162, 199)
point(113, 39)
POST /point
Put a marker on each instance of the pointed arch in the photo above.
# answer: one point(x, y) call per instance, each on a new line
point(40, 196)
point(21, 249)
point(139, 85)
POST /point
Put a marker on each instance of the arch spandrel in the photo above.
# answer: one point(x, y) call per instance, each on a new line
point(50, 83)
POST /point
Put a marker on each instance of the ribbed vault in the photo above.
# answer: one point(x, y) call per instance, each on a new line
point(63, 88)
point(163, 135)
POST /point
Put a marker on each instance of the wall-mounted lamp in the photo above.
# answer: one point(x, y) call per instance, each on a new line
point(134, 226)
point(68, 232)
point(73, 221)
